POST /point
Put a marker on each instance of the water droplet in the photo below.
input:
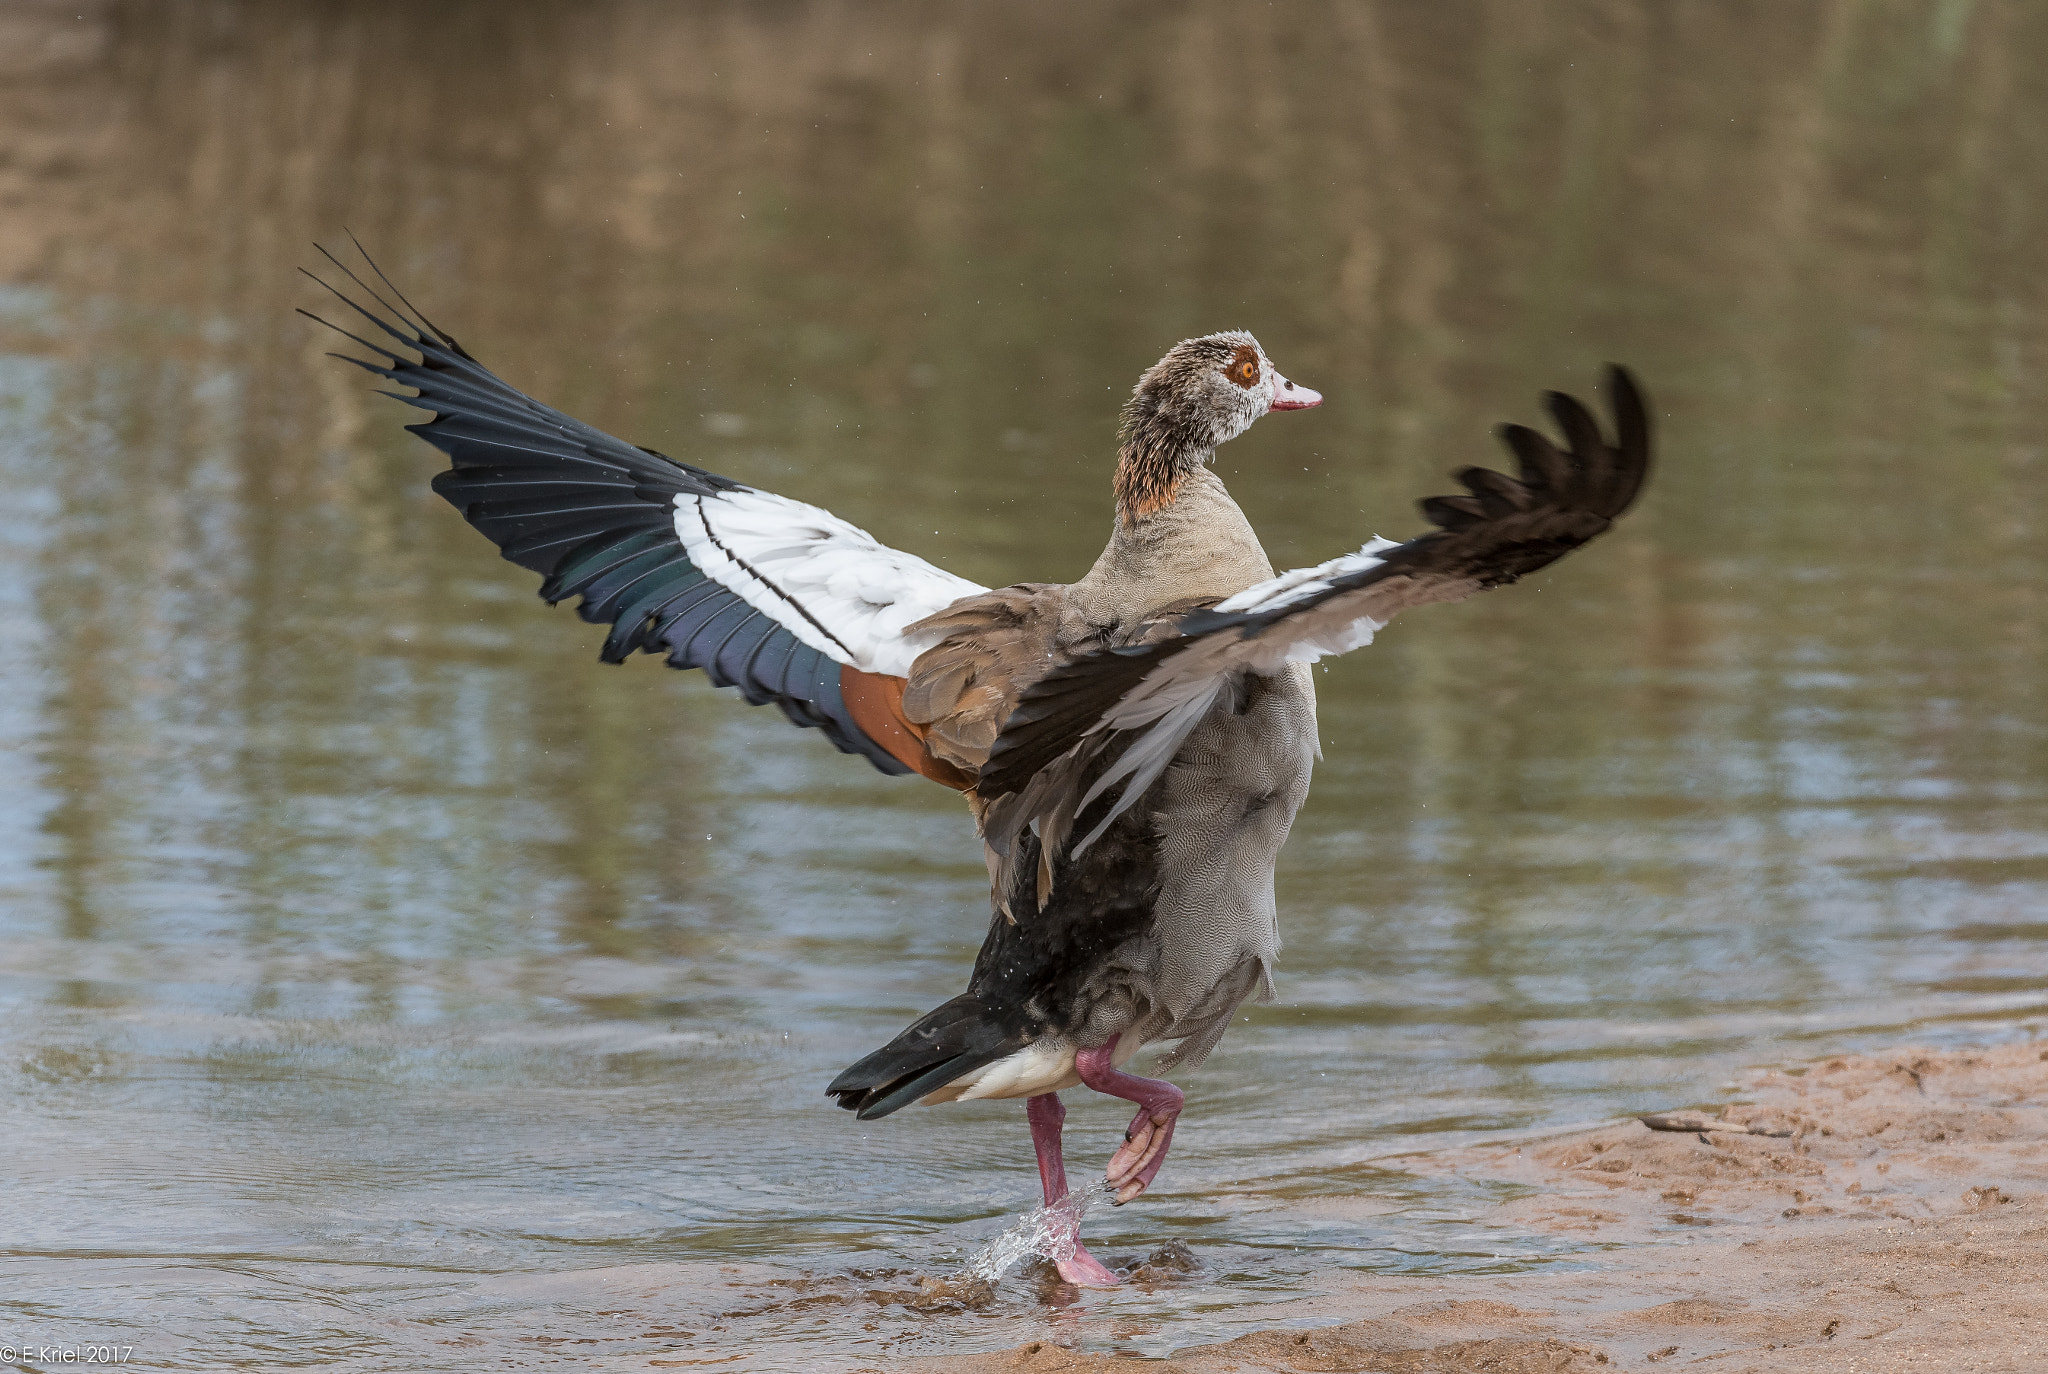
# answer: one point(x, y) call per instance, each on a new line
point(1052, 1232)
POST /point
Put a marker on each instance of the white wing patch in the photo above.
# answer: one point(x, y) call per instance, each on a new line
point(1299, 584)
point(834, 586)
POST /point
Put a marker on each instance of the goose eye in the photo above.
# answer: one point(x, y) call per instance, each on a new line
point(1247, 371)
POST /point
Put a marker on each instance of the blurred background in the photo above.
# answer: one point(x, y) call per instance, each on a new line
point(386, 984)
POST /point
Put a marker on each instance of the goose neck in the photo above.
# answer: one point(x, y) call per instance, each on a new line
point(1152, 463)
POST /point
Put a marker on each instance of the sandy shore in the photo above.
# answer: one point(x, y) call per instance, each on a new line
point(1867, 1213)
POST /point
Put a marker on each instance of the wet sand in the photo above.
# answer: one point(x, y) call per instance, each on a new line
point(1893, 1218)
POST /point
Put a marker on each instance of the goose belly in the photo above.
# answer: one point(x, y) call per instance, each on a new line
point(1222, 812)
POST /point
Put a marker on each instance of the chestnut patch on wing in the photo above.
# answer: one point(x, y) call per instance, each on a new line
point(1244, 366)
point(875, 701)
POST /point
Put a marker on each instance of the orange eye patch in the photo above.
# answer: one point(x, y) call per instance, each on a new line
point(1244, 366)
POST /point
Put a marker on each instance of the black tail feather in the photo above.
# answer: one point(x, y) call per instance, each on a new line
point(949, 1041)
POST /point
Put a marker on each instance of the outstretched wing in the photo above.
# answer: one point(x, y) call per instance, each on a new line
point(784, 601)
point(1100, 730)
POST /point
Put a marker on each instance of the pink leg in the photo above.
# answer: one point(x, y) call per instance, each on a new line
point(1047, 1117)
point(1133, 1167)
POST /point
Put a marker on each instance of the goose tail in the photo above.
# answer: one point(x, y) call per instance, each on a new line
point(963, 1035)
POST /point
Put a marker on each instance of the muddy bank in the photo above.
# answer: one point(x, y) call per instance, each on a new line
point(1866, 1213)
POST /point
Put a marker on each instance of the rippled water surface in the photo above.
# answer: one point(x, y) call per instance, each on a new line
point(387, 985)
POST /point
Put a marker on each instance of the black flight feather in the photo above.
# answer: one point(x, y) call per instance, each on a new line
point(594, 516)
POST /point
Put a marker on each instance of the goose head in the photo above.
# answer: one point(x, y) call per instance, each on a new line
point(1204, 392)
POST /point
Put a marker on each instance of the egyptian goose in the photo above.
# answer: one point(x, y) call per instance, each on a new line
point(1133, 746)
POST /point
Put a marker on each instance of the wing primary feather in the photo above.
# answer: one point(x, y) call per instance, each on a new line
point(370, 291)
point(647, 636)
point(480, 390)
point(359, 339)
point(1589, 449)
point(527, 546)
point(683, 631)
point(697, 594)
point(462, 450)
point(1454, 513)
point(618, 596)
point(419, 316)
point(1632, 425)
point(461, 488)
point(482, 485)
point(1498, 494)
point(714, 631)
point(578, 571)
point(727, 673)
point(409, 340)
point(1542, 466)
point(543, 507)
point(764, 665)
point(442, 394)
point(637, 620)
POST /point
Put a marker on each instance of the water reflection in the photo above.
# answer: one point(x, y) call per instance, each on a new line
point(385, 982)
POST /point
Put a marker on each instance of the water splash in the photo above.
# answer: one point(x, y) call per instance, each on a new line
point(1051, 1231)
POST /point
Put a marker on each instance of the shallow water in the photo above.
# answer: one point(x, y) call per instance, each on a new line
point(387, 985)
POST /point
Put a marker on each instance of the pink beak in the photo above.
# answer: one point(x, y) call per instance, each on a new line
point(1288, 396)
